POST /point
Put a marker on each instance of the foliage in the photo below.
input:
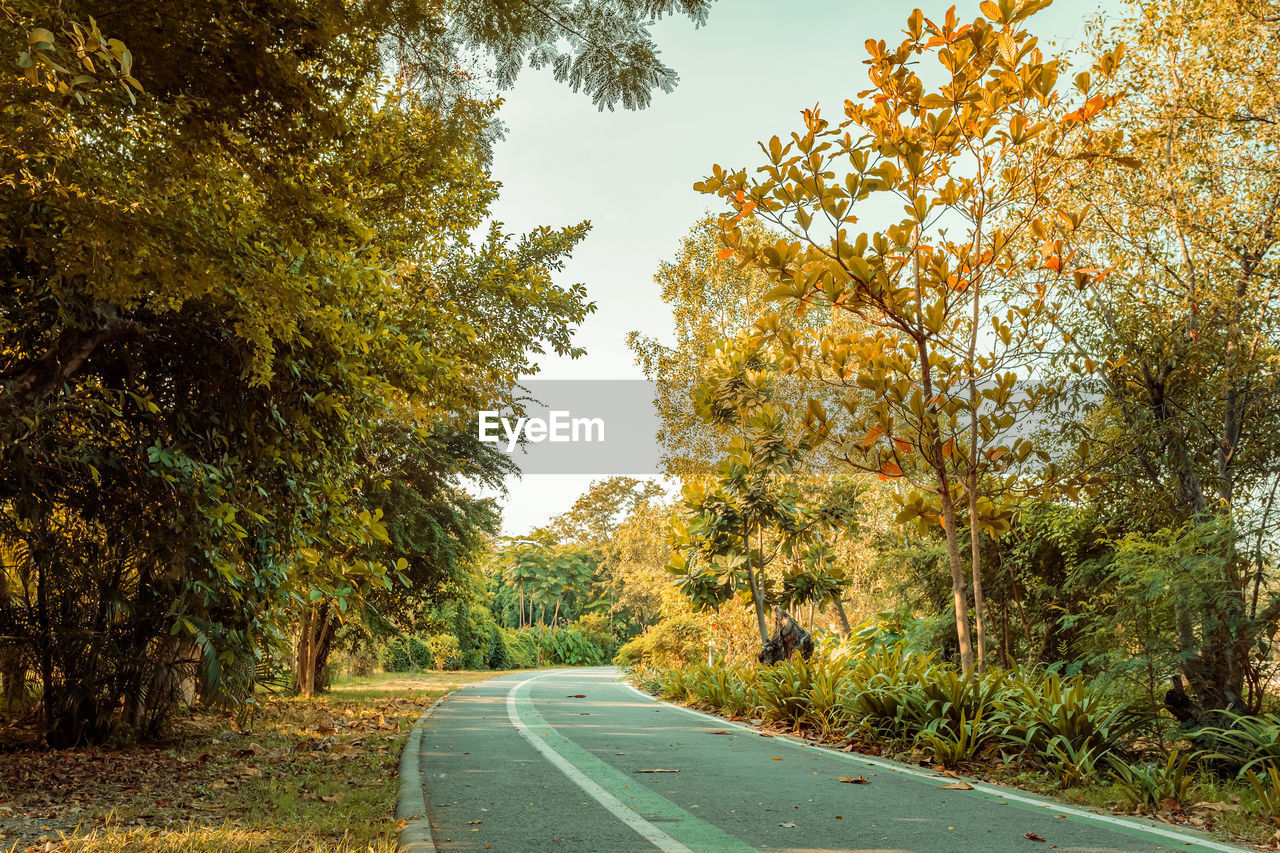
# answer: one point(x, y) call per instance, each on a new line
point(712, 298)
point(1244, 741)
point(610, 54)
point(731, 689)
point(672, 643)
point(444, 651)
point(920, 402)
point(1173, 356)
point(1154, 784)
point(1066, 712)
point(255, 296)
point(751, 513)
point(499, 655)
point(566, 647)
point(1268, 791)
point(523, 648)
point(783, 691)
point(956, 742)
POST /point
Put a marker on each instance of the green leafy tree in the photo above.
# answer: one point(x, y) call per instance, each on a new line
point(729, 532)
point(1176, 347)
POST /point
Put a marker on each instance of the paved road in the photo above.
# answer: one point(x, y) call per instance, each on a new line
point(521, 764)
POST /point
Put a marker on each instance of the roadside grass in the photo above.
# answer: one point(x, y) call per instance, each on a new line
point(301, 775)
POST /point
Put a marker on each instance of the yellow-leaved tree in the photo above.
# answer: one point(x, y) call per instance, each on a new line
point(923, 354)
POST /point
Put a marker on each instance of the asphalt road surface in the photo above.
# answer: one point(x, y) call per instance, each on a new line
point(554, 761)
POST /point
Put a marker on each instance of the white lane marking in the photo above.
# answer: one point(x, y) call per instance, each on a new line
point(978, 786)
point(622, 812)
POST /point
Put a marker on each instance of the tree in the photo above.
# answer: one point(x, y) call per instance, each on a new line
point(974, 154)
point(435, 532)
point(1177, 346)
point(229, 257)
point(731, 531)
point(610, 55)
point(711, 298)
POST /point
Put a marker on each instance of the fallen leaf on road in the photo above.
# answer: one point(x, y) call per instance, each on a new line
point(657, 770)
point(474, 822)
point(765, 734)
point(776, 758)
point(791, 825)
point(855, 780)
point(722, 732)
point(957, 786)
point(1032, 836)
point(577, 696)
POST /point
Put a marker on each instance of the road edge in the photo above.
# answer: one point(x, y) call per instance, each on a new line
point(411, 804)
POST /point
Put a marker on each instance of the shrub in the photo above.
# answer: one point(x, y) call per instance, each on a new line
point(419, 653)
point(957, 741)
point(1063, 710)
point(672, 684)
point(499, 655)
point(823, 709)
point(1246, 742)
point(523, 648)
point(361, 662)
point(1268, 791)
point(395, 655)
point(882, 691)
point(951, 698)
point(1151, 785)
point(722, 687)
point(567, 647)
point(444, 651)
point(783, 690)
point(678, 641)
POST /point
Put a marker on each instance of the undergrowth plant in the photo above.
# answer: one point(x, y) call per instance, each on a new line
point(1245, 742)
point(1151, 785)
point(956, 742)
point(783, 690)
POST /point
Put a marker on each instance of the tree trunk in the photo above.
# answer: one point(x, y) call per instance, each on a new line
point(842, 620)
point(975, 562)
point(958, 592)
point(939, 463)
point(49, 691)
point(757, 596)
point(315, 636)
point(975, 450)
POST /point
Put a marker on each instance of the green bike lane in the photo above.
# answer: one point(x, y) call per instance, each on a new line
point(551, 761)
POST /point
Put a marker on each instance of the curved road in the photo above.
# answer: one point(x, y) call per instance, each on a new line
point(553, 761)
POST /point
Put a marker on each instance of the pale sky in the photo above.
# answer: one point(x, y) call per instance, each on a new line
point(743, 78)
